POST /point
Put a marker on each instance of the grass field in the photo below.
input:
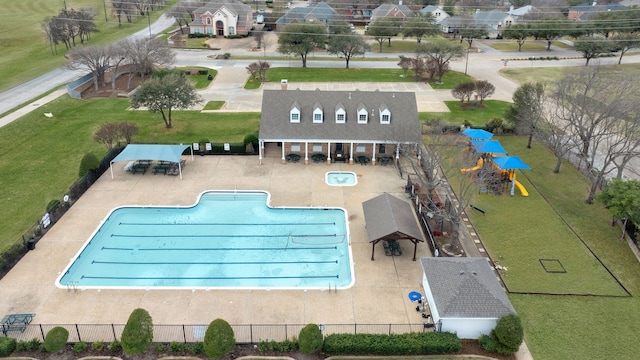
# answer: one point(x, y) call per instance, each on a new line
point(337, 75)
point(551, 74)
point(512, 45)
point(48, 166)
point(25, 50)
point(555, 223)
point(477, 117)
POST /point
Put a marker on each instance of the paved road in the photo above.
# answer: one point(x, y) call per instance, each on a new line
point(23, 93)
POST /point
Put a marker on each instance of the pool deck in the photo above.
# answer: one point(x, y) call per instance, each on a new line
point(379, 295)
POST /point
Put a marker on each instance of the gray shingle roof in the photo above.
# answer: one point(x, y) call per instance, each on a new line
point(386, 214)
point(321, 11)
point(384, 10)
point(489, 17)
point(275, 123)
point(465, 288)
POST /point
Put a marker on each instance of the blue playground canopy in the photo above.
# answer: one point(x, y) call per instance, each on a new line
point(477, 133)
point(488, 146)
point(510, 163)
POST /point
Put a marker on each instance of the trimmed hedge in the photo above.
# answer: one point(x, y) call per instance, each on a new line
point(137, 335)
point(219, 339)
point(7, 346)
point(310, 339)
point(56, 339)
point(394, 344)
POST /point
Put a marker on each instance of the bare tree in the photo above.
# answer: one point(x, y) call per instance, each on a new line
point(107, 134)
point(484, 89)
point(464, 91)
point(441, 53)
point(599, 106)
point(555, 134)
point(119, 8)
point(143, 54)
point(95, 58)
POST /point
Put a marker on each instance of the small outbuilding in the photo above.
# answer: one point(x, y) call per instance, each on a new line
point(390, 218)
point(464, 295)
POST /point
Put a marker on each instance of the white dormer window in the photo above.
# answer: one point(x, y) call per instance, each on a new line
point(294, 113)
point(317, 114)
point(341, 114)
point(385, 114)
point(363, 115)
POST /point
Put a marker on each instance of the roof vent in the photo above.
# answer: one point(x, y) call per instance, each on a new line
point(474, 272)
point(461, 272)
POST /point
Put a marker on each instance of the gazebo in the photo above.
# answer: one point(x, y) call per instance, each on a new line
point(390, 218)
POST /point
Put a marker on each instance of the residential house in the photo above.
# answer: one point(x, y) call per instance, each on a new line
point(519, 12)
point(464, 295)
point(222, 18)
point(320, 13)
point(587, 11)
point(391, 10)
point(436, 12)
point(339, 125)
point(453, 24)
point(494, 21)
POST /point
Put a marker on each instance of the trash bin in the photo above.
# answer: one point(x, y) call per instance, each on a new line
point(210, 77)
point(284, 84)
point(31, 244)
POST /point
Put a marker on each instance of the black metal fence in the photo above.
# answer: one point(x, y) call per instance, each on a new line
point(244, 334)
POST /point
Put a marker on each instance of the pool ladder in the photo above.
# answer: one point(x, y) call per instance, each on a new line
point(72, 286)
point(335, 288)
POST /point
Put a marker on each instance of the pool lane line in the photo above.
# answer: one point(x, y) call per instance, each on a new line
point(215, 262)
point(229, 224)
point(227, 236)
point(212, 277)
point(220, 249)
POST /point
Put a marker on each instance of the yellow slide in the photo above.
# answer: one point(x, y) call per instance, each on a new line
point(475, 168)
point(523, 191)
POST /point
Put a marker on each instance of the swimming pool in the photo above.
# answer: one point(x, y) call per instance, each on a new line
point(226, 240)
point(341, 178)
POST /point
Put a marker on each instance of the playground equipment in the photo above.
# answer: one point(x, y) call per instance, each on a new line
point(505, 166)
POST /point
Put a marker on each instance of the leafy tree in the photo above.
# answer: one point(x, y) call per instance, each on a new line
point(56, 339)
point(218, 339)
point(484, 89)
point(310, 339)
point(449, 7)
point(518, 32)
point(137, 335)
point(164, 93)
point(385, 28)
point(550, 30)
point(622, 199)
point(464, 91)
point(405, 63)
point(526, 110)
point(420, 26)
point(591, 47)
point(339, 27)
point(88, 163)
point(301, 39)
point(441, 53)
point(347, 46)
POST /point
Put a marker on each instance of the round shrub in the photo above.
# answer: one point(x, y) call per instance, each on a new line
point(89, 162)
point(218, 339)
point(508, 334)
point(56, 339)
point(310, 339)
point(7, 346)
point(137, 335)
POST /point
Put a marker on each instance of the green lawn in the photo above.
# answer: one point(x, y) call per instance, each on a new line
point(25, 51)
point(555, 223)
point(48, 166)
point(477, 117)
point(336, 75)
point(512, 45)
point(552, 74)
point(214, 105)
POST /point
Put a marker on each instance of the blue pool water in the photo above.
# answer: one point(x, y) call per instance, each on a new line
point(226, 240)
point(341, 178)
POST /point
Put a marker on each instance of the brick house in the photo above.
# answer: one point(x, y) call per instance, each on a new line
point(222, 18)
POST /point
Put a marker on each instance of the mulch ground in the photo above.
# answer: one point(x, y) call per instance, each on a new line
point(106, 91)
point(469, 347)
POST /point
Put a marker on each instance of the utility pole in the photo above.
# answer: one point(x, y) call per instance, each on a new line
point(466, 64)
point(149, 19)
point(105, 11)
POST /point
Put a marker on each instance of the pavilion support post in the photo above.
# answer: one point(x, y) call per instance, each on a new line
point(415, 249)
point(373, 249)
